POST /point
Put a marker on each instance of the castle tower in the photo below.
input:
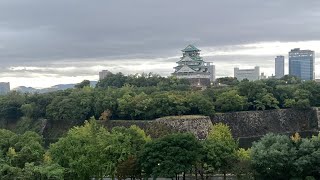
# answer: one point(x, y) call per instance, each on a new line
point(192, 66)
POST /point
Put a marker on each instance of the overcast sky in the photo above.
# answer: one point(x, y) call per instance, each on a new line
point(43, 43)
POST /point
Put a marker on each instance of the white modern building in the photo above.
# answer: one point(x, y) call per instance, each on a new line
point(250, 74)
point(279, 67)
point(4, 88)
point(103, 74)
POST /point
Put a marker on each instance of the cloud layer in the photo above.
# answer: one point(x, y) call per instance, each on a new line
point(46, 42)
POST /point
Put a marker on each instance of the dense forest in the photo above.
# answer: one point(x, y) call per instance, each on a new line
point(91, 151)
point(149, 96)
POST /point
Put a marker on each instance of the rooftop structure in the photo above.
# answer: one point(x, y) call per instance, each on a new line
point(263, 76)
point(192, 66)
point(250, 74)
point(301, 64)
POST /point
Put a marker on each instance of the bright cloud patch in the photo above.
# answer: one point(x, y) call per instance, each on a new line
point(224, 57)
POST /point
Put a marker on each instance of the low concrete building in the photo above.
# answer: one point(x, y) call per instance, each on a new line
point(250, 74)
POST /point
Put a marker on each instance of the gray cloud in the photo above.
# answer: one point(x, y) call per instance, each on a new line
point(42, 33)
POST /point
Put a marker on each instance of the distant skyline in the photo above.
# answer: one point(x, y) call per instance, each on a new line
point(43, 43)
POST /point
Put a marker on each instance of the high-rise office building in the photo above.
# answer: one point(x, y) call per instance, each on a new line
point(301, 64)
point(279, 67)
point(4, 88)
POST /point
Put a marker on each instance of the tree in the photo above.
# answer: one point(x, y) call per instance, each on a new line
point(28, 110)
point(284, 92)
point(22, 157)
point(84, 83)
point(43, 171)
point(242, 168)
point(170, 156)
point(105, 115)
point(10, 106)
point(200, 104)
point(273, 156)
point(81, 151)
point(314, 89)
point(232, 81)
point(129, 168)
point(220, 148)
point(307, 161)
point(253, 90)
point(5, 143)
point(301, 99)
point(74, 107)
point(28, 147)
point(290, 79)
point(230, 101)
point(112, 80)
point(266, 101)
point(91, 151)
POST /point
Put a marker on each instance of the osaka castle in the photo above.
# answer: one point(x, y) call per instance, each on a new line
point(192, 67)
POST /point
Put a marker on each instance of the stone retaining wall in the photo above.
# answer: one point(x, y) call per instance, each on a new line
point(256, 123)
point(198, 125)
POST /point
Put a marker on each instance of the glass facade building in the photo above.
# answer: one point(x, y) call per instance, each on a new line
point(301, 64)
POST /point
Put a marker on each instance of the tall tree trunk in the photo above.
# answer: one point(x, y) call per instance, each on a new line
point(184, 175)
point(224, 175)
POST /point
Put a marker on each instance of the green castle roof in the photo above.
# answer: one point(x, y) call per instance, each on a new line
point(189, 48)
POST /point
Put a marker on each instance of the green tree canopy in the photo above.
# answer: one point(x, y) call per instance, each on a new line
point(230, 101)
point(220, 148)
point(170, 155)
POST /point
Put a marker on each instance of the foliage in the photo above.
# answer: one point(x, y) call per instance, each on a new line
point(105, 115)
point(10, 105)
point(278, 156)
point(266, 101)
point(84, 83)
point(129, 168)
point(220, 148)
point(170, 155)
point(150, 96)
point(22, 157)
point(230, 101)
point(91, 151)
point(242, 168)
point(144, 80)
point(272, 156)
point(81, 151)
point(76, 107)
point(228, 81)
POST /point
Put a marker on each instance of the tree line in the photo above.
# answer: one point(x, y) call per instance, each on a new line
point(149, 96)
point(91, 151)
